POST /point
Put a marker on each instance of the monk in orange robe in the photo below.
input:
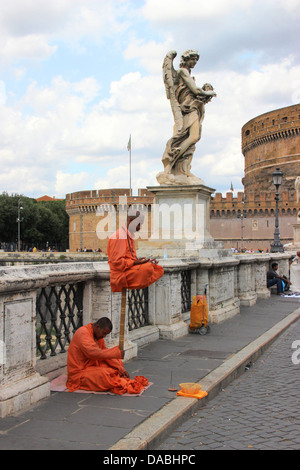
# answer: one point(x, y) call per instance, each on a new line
point(126, 270)
point(92, 366)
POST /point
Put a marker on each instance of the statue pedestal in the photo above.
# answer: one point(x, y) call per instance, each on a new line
point(296, 228)
point(180, 231)
point(180, 223)
point(295, 277)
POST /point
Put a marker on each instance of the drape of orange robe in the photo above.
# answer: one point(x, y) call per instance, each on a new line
point(121, 256)
point(92, 366)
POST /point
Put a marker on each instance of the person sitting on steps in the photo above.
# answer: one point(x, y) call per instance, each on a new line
point(273, 279)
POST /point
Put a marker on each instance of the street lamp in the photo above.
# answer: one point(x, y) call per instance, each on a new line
point(19, 220)
point(277, 246)
point(242, 216)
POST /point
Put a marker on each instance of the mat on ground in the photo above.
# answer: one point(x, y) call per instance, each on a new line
point(59, 385)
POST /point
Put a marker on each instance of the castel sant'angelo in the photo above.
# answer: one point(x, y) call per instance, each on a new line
point(269, 141)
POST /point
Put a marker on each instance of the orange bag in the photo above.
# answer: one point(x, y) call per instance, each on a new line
point(199, 312)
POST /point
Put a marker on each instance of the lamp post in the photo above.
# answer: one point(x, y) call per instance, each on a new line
point(242, 216)
point(277, 246)
point(19, 220)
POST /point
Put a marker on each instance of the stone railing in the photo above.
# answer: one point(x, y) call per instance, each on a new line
point(15, 258)
point(24, 377)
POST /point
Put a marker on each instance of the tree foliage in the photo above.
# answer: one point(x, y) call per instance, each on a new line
point(43, 223)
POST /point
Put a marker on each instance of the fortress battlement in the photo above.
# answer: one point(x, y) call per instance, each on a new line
point(90, 200)
point(262, 203)
point(274, 125)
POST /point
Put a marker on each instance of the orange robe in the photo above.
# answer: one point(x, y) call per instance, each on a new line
point(121, 256)
point(92, 366)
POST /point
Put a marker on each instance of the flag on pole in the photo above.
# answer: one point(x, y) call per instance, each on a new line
point(231, 187)
point(129, 150)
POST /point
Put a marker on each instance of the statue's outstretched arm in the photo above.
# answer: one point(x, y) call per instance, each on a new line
point(191, 84)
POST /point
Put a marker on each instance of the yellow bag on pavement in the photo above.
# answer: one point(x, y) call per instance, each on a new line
point(199, 312)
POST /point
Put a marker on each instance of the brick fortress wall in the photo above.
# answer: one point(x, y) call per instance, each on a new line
point(94, 215)
point(257, 228)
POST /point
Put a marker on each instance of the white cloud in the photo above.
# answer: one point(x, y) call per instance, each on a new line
point(119, 176)
point(235, 34)
point(170, 10)
point(33, 29)
point(291, 6)
point(134, 93)
point(149, 53)
point(69, 182)
point(23, 180)
point(20, 18)
point(89, 88)
point(95, 19)
point(31, 47)
point(2, 92)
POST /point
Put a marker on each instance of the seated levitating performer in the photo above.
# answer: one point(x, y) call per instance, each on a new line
point(126, 270)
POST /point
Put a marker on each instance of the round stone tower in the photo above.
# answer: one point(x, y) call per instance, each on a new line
point(269, 141)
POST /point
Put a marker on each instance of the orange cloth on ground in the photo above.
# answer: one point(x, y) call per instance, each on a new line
point(121, 256)
point(92, 366)
point(198, 395)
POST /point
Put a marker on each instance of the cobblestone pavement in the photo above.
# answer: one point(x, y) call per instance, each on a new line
point(260, 410)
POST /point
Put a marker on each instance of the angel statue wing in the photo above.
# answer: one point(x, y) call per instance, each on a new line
point(171, 81)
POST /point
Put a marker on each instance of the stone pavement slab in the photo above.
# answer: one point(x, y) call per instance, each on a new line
point(67, 421)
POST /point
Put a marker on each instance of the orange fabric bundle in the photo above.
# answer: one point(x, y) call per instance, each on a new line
point(92, 366)
point(199, 312)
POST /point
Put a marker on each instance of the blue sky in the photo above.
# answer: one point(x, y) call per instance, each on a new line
point(77, 77)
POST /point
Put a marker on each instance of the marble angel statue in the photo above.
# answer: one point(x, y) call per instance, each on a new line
point(188, 107)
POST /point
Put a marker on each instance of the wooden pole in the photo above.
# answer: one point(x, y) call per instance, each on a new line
point(122, 319)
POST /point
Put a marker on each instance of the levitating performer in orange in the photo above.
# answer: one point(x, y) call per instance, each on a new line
point(126, 270)
point(92, 366)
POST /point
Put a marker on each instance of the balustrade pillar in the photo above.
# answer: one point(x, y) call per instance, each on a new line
point(168, 300)
point(246, 280)
point(223, 303)
point(20, 384)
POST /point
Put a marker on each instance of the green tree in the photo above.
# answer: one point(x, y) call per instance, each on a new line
point(53, 223)
point(8, 217)
point(44, 223)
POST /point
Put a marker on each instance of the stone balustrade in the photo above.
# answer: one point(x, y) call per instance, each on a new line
point(231, 281)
